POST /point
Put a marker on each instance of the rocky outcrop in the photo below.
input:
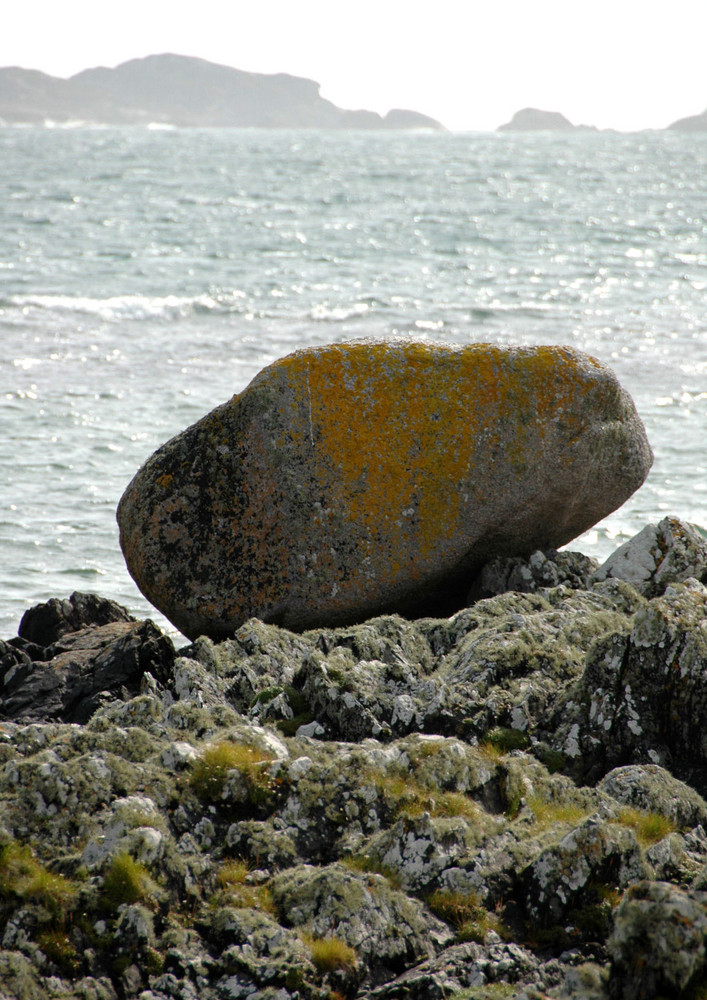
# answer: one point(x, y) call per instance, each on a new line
point(72, 655)
point(657, 556)
point(318, 496)
point(468, 806)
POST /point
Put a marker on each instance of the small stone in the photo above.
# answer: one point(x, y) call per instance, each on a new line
point(377, 476)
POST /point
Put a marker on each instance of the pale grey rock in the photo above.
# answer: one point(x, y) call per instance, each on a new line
point(672, 551)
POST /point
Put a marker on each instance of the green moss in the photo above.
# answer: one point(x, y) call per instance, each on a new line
point(553, 760)
point(289, 727)
point(128, 881)
point(268, 694)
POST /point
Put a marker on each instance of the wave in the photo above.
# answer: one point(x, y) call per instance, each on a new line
point(129, 307)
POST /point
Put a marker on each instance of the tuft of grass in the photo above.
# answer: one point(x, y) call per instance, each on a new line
point(22, 876)
point(505, 739)
point(548, 813)
point(406, 796)
point(330, 954)
point(59, 949)
point(465, 912)
point(210, 771)
point(235, 890)
point(371, 863)
point(649, 827)
point(128, 881)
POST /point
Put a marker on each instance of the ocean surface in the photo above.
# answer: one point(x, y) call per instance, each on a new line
point(146, 275)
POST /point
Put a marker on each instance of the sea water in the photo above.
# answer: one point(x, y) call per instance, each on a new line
point(147, 275)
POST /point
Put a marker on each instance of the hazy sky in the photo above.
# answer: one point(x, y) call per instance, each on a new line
point(624, 64)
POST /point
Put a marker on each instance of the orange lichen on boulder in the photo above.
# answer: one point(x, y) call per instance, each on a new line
point(376, 476)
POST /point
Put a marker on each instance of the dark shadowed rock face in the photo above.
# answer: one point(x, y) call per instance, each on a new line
point(45, 623)
point(376, 476)
point(73, 655)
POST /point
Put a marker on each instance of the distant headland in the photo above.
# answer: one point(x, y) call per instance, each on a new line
point(184, 91)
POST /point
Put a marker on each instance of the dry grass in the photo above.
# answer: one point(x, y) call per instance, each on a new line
point(330, 954)
point(649, 827)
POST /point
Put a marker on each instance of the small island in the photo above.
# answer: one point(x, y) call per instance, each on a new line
point(535, 120)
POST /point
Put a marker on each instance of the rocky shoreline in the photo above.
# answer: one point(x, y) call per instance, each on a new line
point(506, 803)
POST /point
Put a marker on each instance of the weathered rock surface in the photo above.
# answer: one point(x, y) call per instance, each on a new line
point(375, 477)
point(658, 942)
point(464, 807)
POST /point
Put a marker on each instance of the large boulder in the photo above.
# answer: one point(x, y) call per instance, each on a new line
point(376, 476)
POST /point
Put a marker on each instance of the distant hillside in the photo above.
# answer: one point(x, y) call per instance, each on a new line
point(694, 123)
point(181, 90)
point(535, 120)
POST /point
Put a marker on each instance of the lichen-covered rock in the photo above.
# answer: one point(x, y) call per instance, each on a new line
point(383, 925)
point(461, 968)
point(194, 840)
point(595, 851)
point(376, 476)
point(538, 571)
point(653, 789)
point(669, 552)
point(657, 945)
point(643, 694)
